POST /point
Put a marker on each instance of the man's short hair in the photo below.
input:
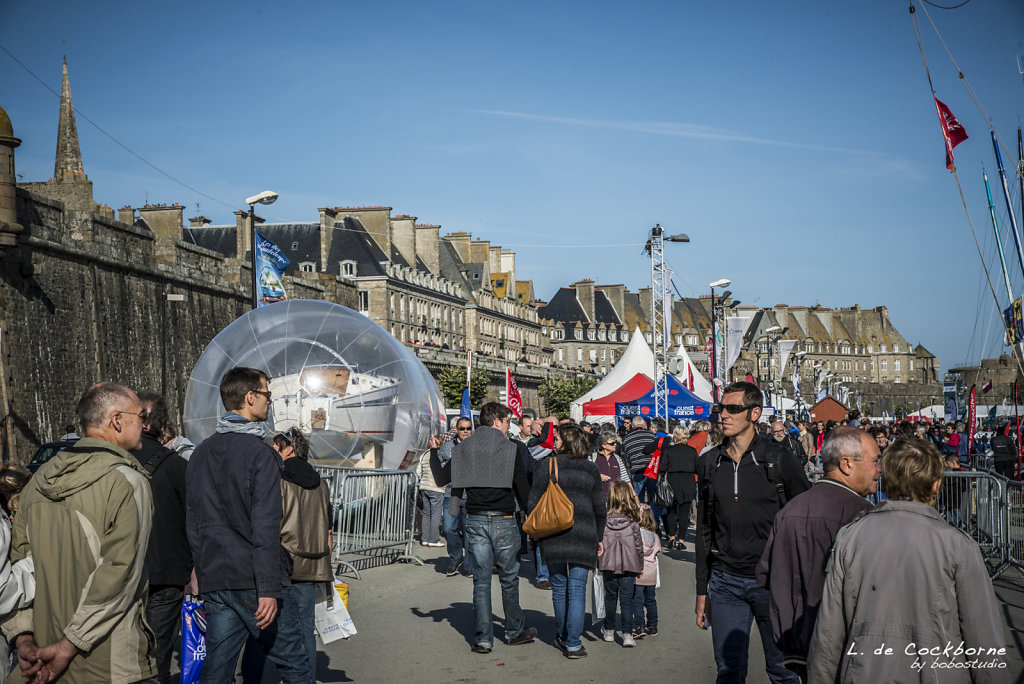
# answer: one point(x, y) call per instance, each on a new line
point(492, 411)
point(639, 422)
point(842, 441)
point(293, 438)
point(238, 382)
point(456, 422)
point(98, 402)
point(752, 396)
point(659, 424)
point(156, 412)
point(910, 468)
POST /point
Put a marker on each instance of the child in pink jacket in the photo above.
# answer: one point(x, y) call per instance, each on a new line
point(644, 596)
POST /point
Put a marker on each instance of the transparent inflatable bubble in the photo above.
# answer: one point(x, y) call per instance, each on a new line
point(354, 390)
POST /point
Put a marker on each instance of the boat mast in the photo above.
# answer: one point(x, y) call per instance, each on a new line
point(999, 239)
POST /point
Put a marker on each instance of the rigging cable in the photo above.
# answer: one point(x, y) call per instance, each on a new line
point(956, 176)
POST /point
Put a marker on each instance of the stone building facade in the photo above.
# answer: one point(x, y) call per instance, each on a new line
point(589, 326)
point(1001, 371)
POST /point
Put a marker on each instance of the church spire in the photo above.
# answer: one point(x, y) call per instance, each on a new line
point(68, 164)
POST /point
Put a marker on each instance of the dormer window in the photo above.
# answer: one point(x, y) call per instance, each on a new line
point(348, 269)
point(295, 245)
point(307, 267)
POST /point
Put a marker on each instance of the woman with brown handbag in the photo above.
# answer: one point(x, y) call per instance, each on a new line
point(571, 554)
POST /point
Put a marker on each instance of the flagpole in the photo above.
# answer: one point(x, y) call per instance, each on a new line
point(1009, 205)
point(1016, 412)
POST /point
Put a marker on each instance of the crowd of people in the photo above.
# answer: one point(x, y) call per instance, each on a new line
point(243, 522)
point(787, 537)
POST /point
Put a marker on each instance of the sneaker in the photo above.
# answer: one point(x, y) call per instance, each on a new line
point(525, 637)
point(608, 635)
point(544, 584)
point(578, 653)
point(453, 568)
point(481, 648)
point(559, 644)
point(628, 641)
point(639, 633)
point(651, 631)
point(437, 544)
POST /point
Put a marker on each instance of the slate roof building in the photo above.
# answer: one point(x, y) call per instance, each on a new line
point(589, 325)
point(451, 293)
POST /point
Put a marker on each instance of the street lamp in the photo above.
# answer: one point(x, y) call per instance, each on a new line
point(713, 371)
point(265, 197)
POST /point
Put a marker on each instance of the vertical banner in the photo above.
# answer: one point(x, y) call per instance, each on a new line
point(464, 410)
point(785, 349)
point(515, 401)
point(735, 328)
point(796, 382)
point(711, 368)
point(719, 353)
point(949, 401)
point(972, 415)
point(821, 390)
point(270, 265)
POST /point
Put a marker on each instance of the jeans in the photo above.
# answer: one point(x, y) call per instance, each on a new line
point(454, 526)
point(230, 620)
point(569, 596)
point(430, 508)
point(735, 601)
point(542, 569)
point(494, 541)
point(163, 613)
point(254, 660)
point(644, 598)
point(621, 589)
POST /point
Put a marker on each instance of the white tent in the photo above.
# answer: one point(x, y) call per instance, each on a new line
point(638, 358)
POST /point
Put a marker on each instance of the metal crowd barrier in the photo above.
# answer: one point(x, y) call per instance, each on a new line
point(972, 501)
point(371, 509)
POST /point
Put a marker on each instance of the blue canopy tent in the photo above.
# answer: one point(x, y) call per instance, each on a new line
point(682, 404)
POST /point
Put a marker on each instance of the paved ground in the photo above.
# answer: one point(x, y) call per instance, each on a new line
point(415, 625)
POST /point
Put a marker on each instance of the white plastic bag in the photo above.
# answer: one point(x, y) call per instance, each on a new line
point(597, 595)
point(330, 615)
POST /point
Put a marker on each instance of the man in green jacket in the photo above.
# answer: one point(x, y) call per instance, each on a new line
point(85, 519)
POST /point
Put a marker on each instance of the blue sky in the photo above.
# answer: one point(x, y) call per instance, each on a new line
point(795, 142)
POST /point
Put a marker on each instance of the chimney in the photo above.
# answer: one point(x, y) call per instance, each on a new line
point(585, 295)
point(126, 215)
point(615, 294)
point(376, 221)
point(427, 247)
point(494, 258)
point(508, 265)
point(460, 241)
point(165, 220)
point(480, 252)
point(198, 222)
point(241, 233)
point(403, 236)
point(327, 218)
point(646, 301)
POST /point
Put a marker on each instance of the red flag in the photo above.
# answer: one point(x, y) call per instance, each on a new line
point(689, 380)
point(515, 401)
point(986, 387)
point(952, 132)
point(972, 410)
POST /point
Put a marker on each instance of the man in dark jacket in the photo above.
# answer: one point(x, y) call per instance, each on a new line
point(743, 483)
point(792, 567)
point(233, 500)
point(168, 558)
point(1004, 451)
point(792, 444)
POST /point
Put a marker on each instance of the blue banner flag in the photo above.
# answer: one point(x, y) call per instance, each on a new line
point(465, 411)
point(270, 265)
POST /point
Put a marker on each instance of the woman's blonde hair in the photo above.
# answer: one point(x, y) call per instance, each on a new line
point(910, 469)
point(680, 435)
point(647, 518)
point(622, 500)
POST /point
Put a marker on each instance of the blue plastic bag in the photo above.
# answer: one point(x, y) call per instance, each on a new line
point(193, 640)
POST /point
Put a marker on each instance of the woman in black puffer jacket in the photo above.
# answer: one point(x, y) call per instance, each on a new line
point(571, 554)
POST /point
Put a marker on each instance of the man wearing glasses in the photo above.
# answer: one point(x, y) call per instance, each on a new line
point(93, 496)
point(233, 504)
point(454, 525)
point(743, 482)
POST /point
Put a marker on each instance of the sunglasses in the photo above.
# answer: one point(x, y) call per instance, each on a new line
point(464, 429)
point(736, 408)
point(264, 393)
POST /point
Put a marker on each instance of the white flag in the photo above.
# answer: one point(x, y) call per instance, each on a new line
point(735, 328)
point(667, 303)
point(785, 347)
point(796, 381)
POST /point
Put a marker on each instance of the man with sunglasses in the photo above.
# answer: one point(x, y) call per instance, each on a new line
point(743, 482)
point(454, 525)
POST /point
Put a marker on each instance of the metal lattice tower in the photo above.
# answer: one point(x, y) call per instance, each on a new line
point(659, 334)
